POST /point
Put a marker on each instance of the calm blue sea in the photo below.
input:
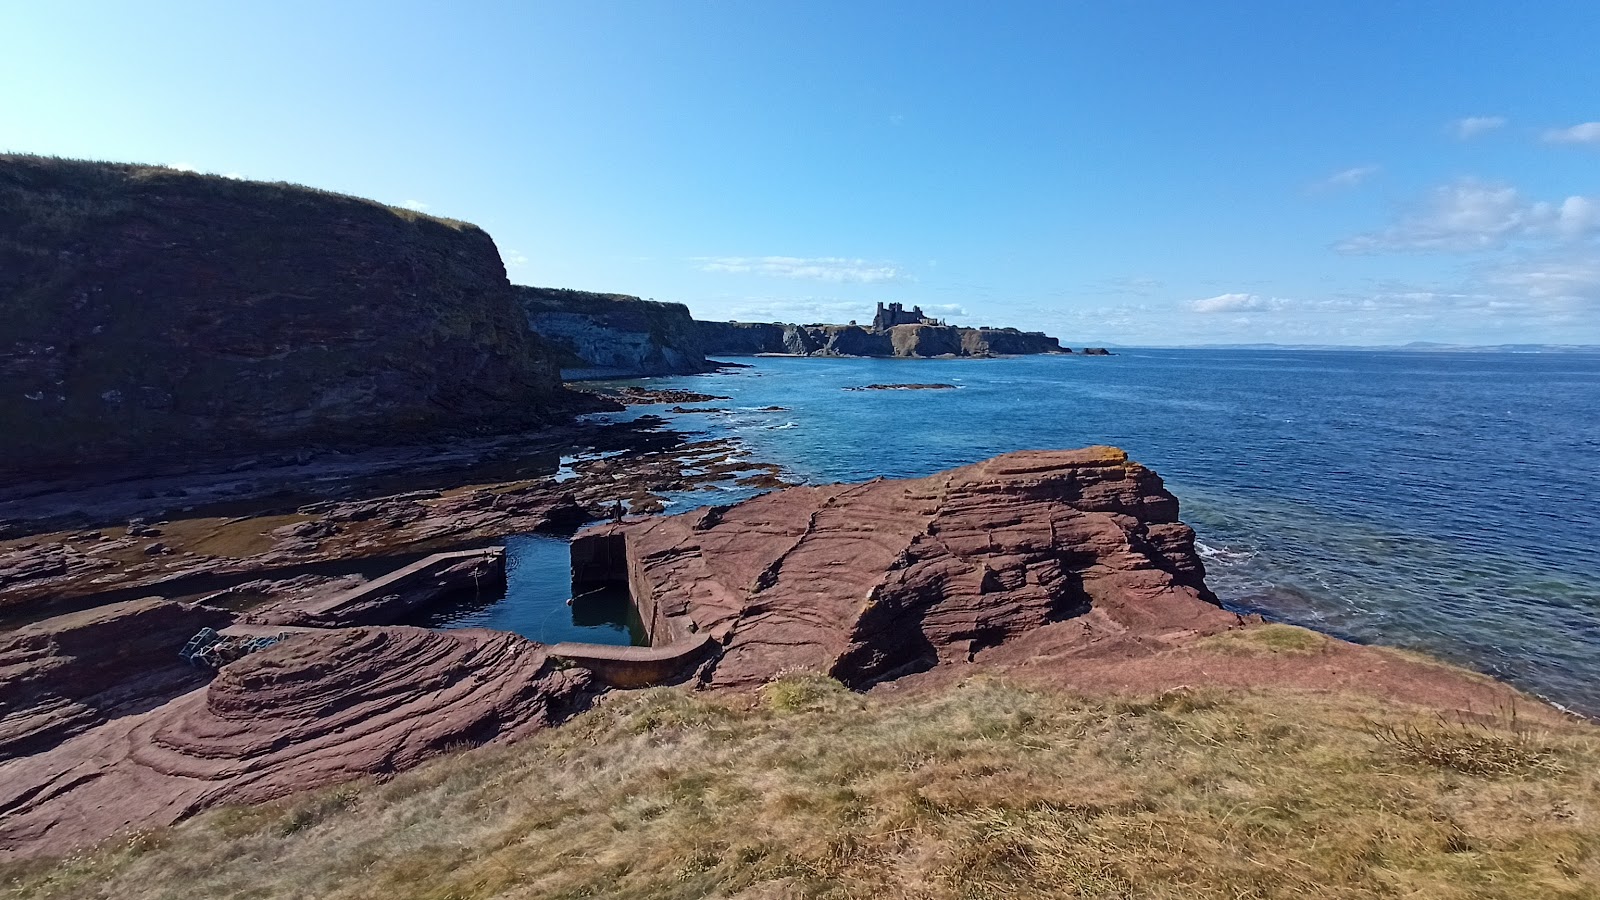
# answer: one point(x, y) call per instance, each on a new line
point(1440, 501)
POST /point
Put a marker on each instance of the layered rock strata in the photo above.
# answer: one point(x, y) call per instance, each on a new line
point(69, 673)
point(868, 581)
point(908, 340)
point(319, 708)
point(614, 335)
point(149, 316)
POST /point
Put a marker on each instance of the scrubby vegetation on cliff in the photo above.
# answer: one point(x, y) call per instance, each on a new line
point(987, 789)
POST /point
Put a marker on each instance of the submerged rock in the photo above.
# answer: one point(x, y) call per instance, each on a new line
point(872, 580)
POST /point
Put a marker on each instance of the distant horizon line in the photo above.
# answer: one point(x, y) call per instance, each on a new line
point(1409, 347)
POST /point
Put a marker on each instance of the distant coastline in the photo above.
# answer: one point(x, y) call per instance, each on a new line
point(1412, 347)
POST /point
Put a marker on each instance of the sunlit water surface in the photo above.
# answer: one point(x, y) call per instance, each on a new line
point(1440, 501)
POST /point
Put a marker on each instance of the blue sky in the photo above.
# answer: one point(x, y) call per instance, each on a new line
point(1123, 173)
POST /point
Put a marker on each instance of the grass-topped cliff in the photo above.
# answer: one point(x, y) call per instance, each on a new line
point(984, 789)
point(148, 314)
point(614, 335)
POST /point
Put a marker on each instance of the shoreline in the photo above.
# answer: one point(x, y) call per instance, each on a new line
point(1145, 628)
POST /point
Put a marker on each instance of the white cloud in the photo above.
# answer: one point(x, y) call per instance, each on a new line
point(1227, 303)
point(183, 167)
point(1470, 215)
point(1472, 126)
point(821, 268)
point(1586, 133)
point(802, 310)
point(1347, 178)
point(514, 259)
point(415, 205)
point(1571, 278)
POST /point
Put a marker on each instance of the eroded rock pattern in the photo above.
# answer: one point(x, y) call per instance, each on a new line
point(320, 708)
point(867, 581)
point(68, 673)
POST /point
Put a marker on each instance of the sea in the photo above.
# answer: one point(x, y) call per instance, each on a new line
point(1447, 502)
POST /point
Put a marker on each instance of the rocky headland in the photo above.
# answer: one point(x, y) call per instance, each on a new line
point(614, 335)
point(894, 332)
point(153, 316)
point(921, 341)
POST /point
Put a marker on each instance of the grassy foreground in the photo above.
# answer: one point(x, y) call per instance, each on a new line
point(986, 789)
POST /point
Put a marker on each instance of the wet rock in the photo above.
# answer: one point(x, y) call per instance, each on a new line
point(903, 387)
point(634, 396)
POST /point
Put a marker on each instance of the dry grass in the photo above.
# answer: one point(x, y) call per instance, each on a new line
point(1271, 639)
point(986, 790)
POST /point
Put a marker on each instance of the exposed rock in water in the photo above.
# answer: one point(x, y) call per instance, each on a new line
point(1096, 351)
point(65, 674)
point(614, 335)
point(152, 316)
point(868, 581)
point(317, 709)
point(903, 387)
point(637, 396)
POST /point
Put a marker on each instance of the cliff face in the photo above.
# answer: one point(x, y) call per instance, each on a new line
point(749, 338)
point(614, 335)
point(149, 314)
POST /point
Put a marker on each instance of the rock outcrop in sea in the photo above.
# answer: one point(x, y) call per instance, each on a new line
point(869, 581)
point(149, 315)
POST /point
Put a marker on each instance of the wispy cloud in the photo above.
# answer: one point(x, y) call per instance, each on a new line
point(1586, 133)
point(416, 205)
point(820, 268)
point(1472, 126)
point(1128, 285)
point(1228, 303)
point(1347, 178)
point(514, 259)
point(803, 310)
point(1571, 276)
point(1470, 215)
point(183, 167)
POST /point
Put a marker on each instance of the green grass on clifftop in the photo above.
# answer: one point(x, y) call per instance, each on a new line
point(984, 790)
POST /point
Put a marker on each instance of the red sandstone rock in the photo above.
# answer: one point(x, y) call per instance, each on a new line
point(318, 709)
point(65, 674)
point(868, 581)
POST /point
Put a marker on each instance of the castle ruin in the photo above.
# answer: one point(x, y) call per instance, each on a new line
point(895, 314)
